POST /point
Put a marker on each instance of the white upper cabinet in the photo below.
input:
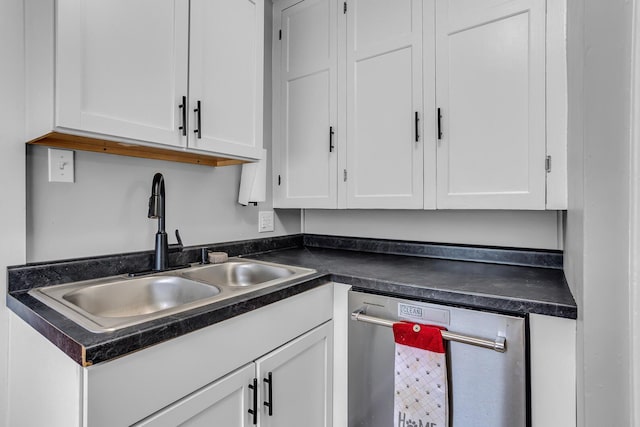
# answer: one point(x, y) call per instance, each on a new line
point(121, 67)
point(441, 104)
point(305, 103)
point(226, 76)
point(491, 94)
point(385, 138)
point(136, 71)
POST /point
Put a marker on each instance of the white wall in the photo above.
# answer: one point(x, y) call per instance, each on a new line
point(526, 229)
point(12, 229)
point(634, 219)
point(597, 244)
point(105, 210)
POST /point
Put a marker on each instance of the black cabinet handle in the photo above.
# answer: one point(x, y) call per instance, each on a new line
point(269, 403)
point(183, 107)
point(254, 410)
point(198, 129)
point(439, 124)
point(331, 132)
point(417, 127)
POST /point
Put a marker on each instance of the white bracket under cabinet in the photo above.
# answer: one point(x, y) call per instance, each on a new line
point(402, 106)
point(179, 90)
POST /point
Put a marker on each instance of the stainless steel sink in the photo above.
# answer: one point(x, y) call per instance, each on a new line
point(240, 273)
point(113, 303)
point(104, 305)
point(138, 297)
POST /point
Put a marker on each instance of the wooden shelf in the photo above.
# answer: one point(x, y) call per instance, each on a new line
point(75, 142)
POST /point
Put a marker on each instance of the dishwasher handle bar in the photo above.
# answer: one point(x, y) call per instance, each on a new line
point(499, 344)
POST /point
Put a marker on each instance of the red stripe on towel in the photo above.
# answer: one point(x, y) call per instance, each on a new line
point(427, 337)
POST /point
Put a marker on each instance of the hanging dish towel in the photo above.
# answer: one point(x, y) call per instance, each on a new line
point(421, 397)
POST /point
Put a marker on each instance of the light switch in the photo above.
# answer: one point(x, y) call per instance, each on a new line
point(61, 167)
point(265, 221)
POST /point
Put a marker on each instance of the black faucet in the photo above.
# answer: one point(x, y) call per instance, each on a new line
point(157, 210)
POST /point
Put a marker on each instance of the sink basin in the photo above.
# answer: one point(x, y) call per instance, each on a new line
point(138, 297)
point(240, 273)
point(112, 303)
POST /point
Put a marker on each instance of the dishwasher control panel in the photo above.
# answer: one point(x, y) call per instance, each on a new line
point(417, 313)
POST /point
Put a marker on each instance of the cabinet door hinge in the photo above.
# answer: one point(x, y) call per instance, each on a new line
point(345, 175)
point(279, 180)
point(344, 7)
point(279, 34)
point(547, 164)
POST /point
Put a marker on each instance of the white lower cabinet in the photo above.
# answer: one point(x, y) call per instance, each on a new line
point(297, 381)
point(552, 351)
point(293, 386)
point(199, 378)
point(222, 403)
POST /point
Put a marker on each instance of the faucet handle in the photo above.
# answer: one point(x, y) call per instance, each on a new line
point(204, 256)
point(176, 247)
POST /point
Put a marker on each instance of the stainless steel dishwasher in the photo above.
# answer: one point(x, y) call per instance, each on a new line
point(486, 358)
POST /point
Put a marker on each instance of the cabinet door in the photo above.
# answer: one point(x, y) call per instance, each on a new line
point(305, 89)
point(491, 92)
point(223, 403)
point(301, 381)
point(121, 67)
point(384, 94)
point(226, 76)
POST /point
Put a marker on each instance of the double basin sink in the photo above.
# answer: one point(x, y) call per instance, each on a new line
point(104, 305)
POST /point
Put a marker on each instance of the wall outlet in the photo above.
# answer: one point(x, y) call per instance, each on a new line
point(61, 167)
point(265, 221)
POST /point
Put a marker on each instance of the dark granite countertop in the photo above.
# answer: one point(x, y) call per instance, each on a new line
point(89, 348)
point(495, 279)
point(503, 288)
